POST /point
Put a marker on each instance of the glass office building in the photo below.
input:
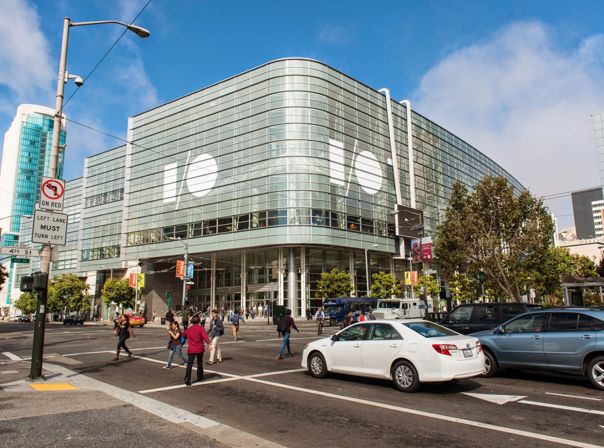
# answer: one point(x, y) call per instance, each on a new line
point(25, 160)
point(265, 180)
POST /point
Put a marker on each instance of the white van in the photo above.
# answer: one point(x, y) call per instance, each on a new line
point(398, 309)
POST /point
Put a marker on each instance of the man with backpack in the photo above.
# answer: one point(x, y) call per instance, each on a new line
point(235, 318)
point(216, 331)
point(284, 327)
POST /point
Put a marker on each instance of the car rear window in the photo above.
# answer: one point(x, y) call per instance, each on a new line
point(588, 323)
point(563, 322)
point(430, 329)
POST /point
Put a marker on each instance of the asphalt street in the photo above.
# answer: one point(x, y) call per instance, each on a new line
point(275, 400)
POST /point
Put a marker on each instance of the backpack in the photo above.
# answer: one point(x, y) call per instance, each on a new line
point(182, 340)
point(235, 319)
point(282, 325)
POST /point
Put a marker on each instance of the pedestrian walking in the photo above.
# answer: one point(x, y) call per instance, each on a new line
point(285, 326)
point(235, 319)
point(216, 331)
point(185, 319)
point(169, 317)
point(175, 345)
point(123, 331)
point(196, 336)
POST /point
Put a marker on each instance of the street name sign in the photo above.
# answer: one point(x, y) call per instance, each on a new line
point(52, 192)
point(49, 228)
point(20, 251)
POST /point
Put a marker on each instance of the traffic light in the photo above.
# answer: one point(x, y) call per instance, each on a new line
point(482, 276)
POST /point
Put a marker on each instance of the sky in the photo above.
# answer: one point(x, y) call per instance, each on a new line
point(518, 80)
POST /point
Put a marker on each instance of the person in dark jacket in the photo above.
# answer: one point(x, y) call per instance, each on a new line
point(195, 336)
point(289, 324)
point(123, 330)
point(216, 331)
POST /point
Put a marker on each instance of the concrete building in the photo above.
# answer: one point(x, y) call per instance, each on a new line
point(25, 160)
point(583, 211)
point(265, 180)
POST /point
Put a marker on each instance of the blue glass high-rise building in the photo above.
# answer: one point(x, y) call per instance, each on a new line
point(25, 160)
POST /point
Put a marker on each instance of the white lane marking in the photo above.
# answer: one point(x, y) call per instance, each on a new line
point(497, 399)
point(291, 339)
point(231, 377)
point(573, 396)
point(155, 407)
point(182, 386)
point(565, 408)
point(446, 418)
point(12, 356)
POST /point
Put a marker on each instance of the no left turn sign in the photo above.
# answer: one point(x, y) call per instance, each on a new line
point(52, 193)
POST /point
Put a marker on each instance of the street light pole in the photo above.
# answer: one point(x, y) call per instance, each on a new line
point(46, 252)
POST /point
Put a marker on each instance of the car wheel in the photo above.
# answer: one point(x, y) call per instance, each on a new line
point(405, 376)
point(316, 365)
point(595, 372)
point(490, 364)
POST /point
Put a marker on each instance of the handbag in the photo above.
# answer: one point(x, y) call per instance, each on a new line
point(116, 331)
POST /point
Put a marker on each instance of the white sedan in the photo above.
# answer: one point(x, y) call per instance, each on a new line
point(409, 352)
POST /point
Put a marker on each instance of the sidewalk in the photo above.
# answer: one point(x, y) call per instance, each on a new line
point(71, 410)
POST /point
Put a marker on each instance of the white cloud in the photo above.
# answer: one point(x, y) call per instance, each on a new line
point(523, 100)
point(134, 81)
point(25, 70)
point(333, 34)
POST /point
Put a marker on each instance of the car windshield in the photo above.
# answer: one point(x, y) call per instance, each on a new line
point(460, 315)
point(334, 309)
point(430, 329)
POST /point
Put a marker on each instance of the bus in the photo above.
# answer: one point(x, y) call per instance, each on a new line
point(336, 309)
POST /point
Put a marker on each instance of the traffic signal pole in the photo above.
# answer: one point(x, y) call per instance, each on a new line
point(39, 285)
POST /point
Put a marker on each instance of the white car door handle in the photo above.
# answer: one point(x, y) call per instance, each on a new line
point(356, 345)
point(536, 337)
point(586, 336)
point(393, 345)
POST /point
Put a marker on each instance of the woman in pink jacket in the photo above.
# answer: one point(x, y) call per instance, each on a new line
point(195, 335)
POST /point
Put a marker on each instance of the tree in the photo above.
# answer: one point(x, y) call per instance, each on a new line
point(68, 292)
point(462, 287)
point(384, 285)
point(118, 292)
point(3, 275)
point(334, 283)
point(496, 231)
point(27, 303)
point(432, 288)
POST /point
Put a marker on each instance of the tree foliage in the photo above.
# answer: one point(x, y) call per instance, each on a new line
point(27, 303)
point(118, 292)
point(68, 292)
point(384, 285)
point(432, 288)
point(462, 287)
point(334, 283)
point(3, 275)
point(494, 230)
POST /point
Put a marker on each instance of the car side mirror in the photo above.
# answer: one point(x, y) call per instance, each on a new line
point(335, 338)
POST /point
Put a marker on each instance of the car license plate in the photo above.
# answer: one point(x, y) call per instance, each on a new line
point(467, 352)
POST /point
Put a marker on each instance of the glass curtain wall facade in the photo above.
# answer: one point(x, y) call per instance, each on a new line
point(266, 180)
point(25, 161)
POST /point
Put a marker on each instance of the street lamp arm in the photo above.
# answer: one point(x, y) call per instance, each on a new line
point(138, 30)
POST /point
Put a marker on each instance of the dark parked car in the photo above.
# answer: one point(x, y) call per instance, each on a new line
point(73, 320)
point(472, 317)
point(24, 319)
point(569, 340)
